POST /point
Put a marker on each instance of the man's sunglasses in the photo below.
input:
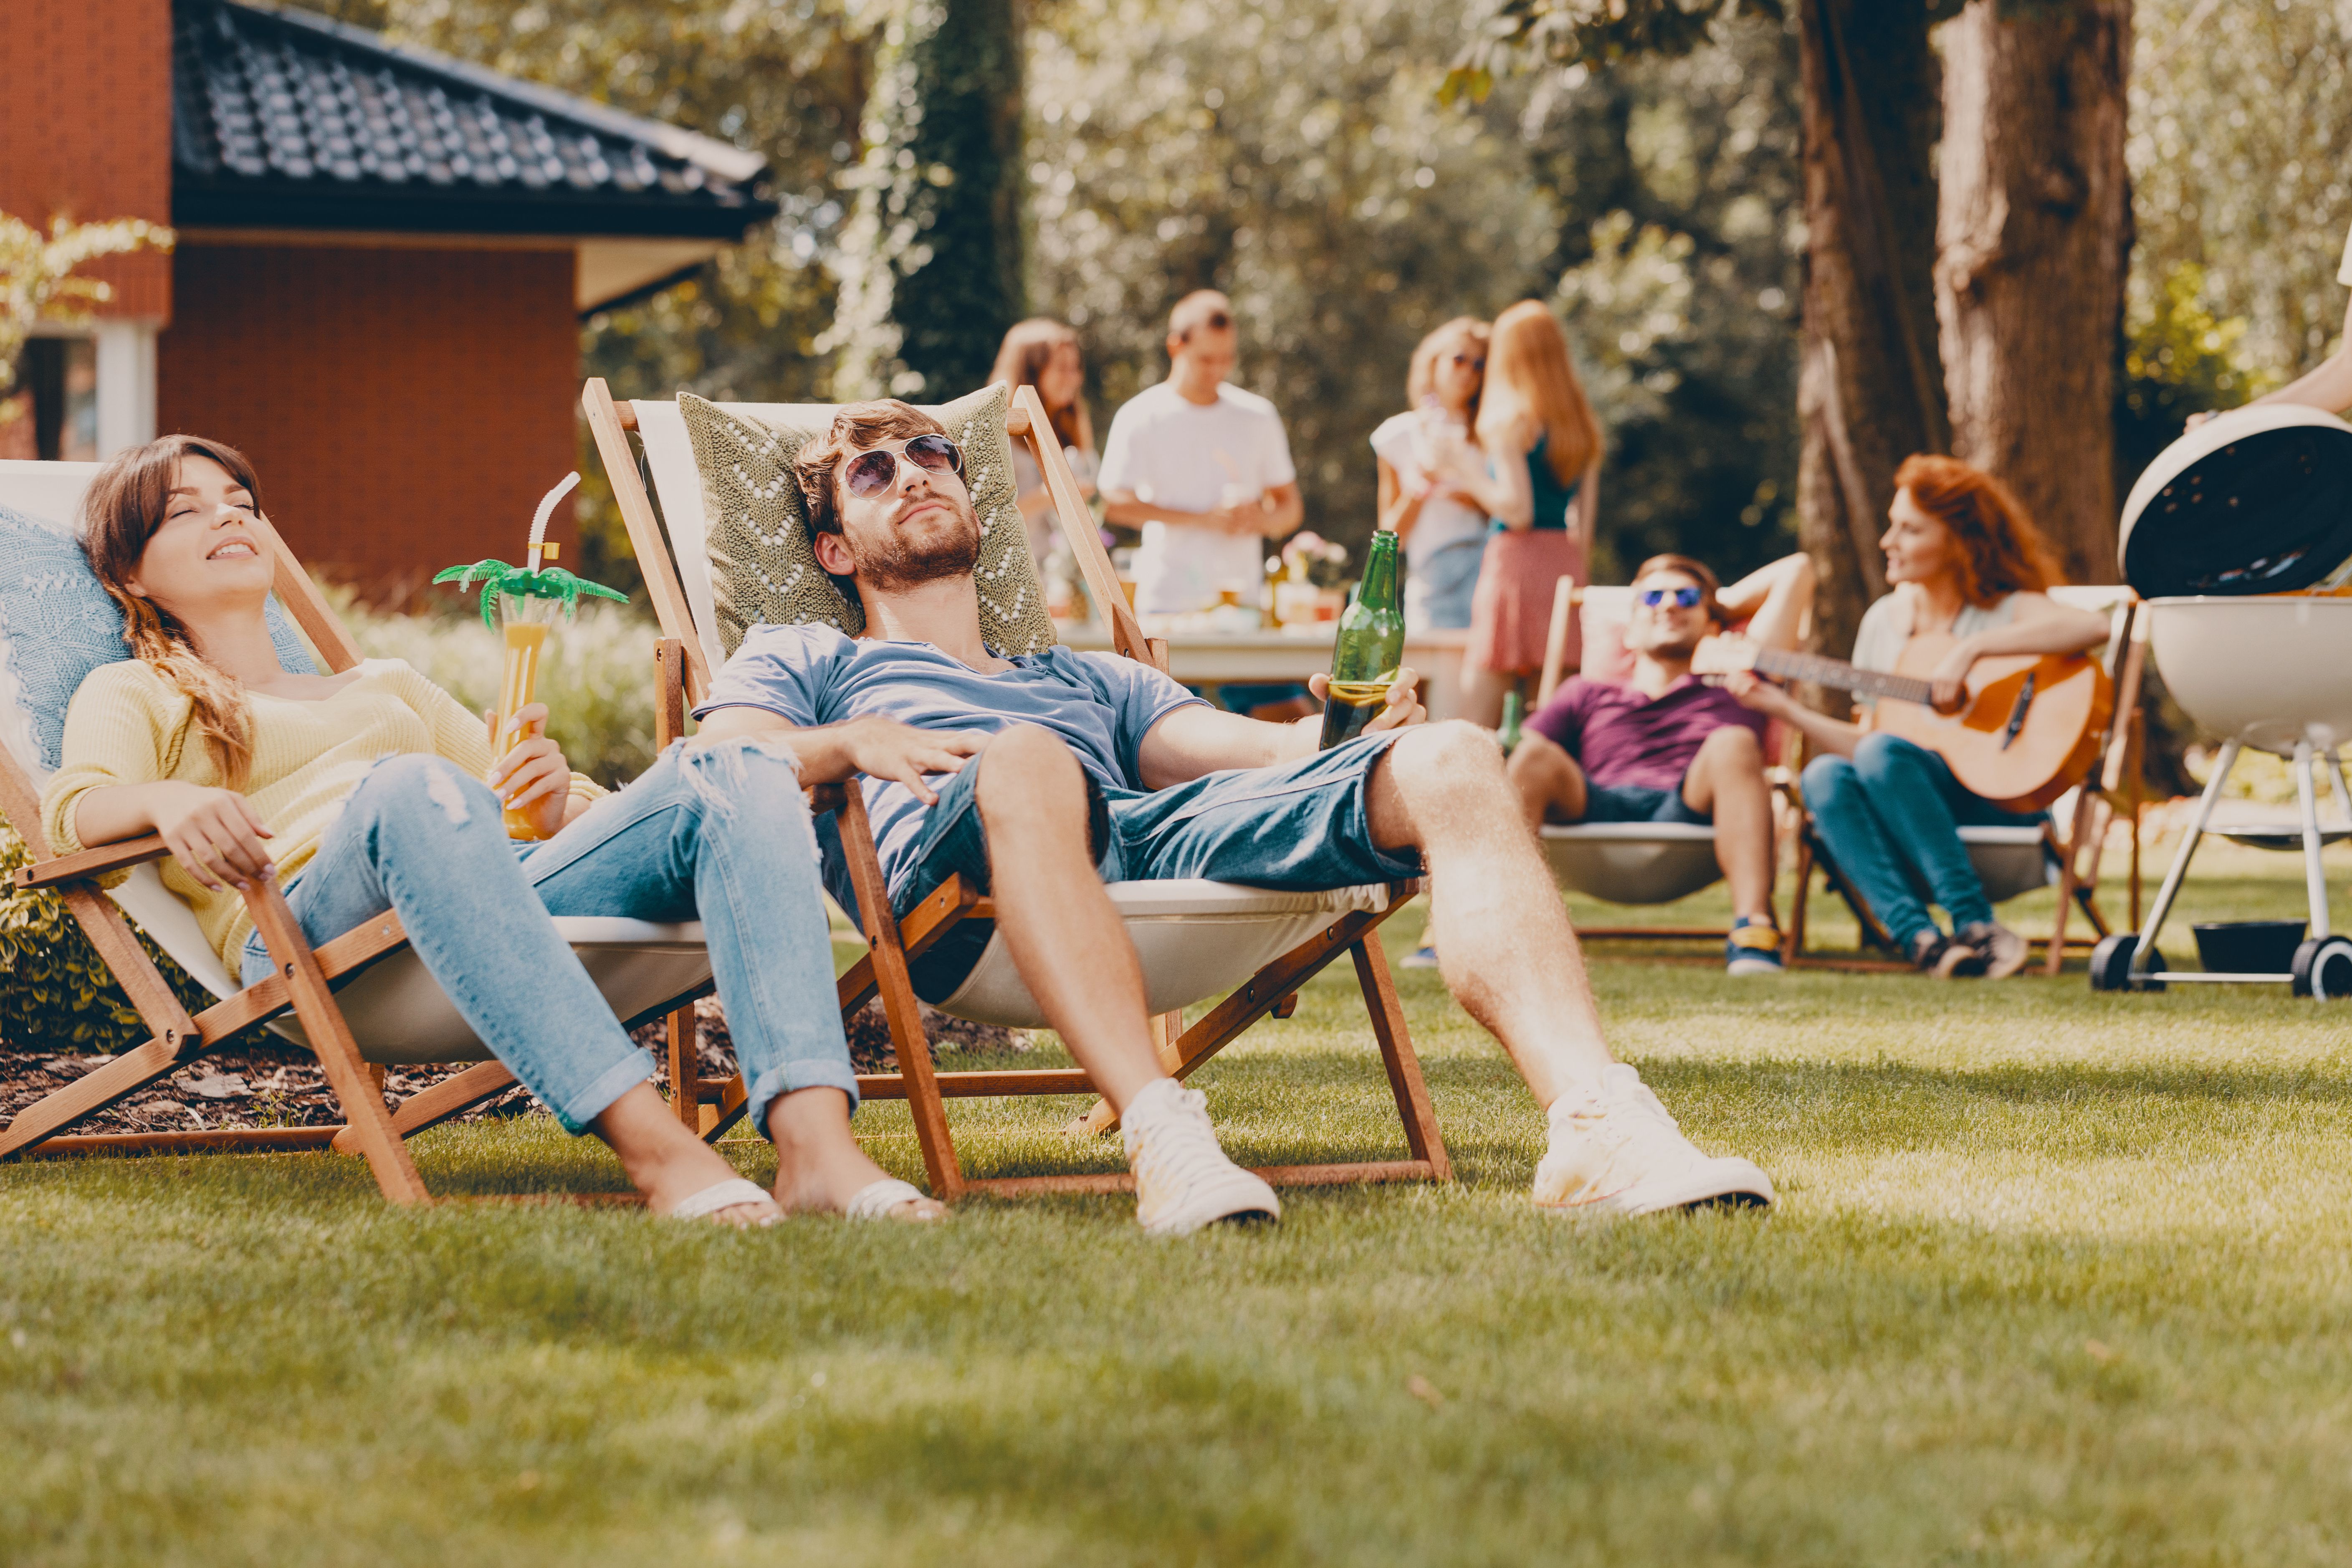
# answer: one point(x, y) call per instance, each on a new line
point(1683, 598)
point(871, 473)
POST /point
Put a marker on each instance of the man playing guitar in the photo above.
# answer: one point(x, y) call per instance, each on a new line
point(1968, 571)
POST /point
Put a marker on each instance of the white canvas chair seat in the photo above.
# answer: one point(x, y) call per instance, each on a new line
point(2009, 861)
point(1633, 862)
point(399, 1014)
point(1196, 939)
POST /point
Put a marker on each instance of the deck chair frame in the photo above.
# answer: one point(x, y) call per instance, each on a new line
point(2113, 790)
point(303, 983)
point(714, 1104)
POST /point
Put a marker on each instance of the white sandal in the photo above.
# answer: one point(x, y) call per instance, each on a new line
point(733, 1192)
point(877, 1199)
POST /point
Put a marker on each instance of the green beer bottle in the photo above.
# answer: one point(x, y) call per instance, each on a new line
point(1369, 649)
point(1509, 734)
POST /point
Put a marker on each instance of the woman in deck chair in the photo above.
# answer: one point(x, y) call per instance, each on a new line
point(364, 791)
point(1962, 559)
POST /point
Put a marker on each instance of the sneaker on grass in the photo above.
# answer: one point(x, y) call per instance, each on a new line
point(1615, 1151)
point(1422, 957)
point(1754, 948)
point(1182, 1179)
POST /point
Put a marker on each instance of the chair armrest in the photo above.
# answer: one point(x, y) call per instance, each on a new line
point(92, 863)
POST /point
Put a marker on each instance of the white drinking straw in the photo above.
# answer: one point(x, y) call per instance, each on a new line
point(546, 510)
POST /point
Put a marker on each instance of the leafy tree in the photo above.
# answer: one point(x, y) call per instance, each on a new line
point(1293, 155)
point(931, 259)
point(2240, 113)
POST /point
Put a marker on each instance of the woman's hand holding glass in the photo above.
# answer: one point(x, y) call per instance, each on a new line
point(533, 778)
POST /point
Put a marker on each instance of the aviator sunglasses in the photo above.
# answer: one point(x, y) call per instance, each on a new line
point(1684, 598)
point(871, 473)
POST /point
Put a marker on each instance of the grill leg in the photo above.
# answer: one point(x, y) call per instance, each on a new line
point(2181, 856)
point(2315, 883)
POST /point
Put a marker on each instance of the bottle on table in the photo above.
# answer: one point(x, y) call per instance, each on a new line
point(1369, 648)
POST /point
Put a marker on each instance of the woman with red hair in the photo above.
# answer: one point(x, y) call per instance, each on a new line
point(1963, 560)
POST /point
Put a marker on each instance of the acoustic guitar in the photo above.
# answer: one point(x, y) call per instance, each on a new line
point(2028, 728)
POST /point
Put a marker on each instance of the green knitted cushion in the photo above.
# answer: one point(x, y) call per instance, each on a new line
point(763, 568)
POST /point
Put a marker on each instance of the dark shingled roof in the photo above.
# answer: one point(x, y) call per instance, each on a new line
point(282, 119)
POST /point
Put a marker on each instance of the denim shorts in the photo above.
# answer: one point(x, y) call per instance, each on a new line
point(1296, 826)
point(1639, 803)
point(1438, 589)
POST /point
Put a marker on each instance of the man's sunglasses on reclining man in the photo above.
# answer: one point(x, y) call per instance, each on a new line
point(1683, 598)
point(871, 473)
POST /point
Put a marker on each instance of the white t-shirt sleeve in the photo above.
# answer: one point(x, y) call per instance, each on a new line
point(1118, 455)
point(1277, 468)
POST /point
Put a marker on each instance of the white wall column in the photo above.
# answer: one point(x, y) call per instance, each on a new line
point(126, 385)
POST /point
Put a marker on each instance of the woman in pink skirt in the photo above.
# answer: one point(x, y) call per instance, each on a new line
point(1542, 492)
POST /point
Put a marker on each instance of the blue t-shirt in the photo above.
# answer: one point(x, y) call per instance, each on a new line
point(1100, 703)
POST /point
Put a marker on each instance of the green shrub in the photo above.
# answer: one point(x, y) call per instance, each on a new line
point(55, 994)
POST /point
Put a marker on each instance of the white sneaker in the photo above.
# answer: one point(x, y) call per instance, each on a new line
point(1182, 1179)
point(1616, 1151)
point(2002, 949)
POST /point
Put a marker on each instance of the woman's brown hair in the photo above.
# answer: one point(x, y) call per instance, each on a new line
point(2001, 553)
point(1420, 376)
point(1531, 380)
point(1028, 348)
point(120, 512)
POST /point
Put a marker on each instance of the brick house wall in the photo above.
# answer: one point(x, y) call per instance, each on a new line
point(86, 127)
point(405, 408)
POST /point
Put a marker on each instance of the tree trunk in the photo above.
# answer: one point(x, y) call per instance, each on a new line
point(932, 256)
point(2033, 240)
point(1871, 391)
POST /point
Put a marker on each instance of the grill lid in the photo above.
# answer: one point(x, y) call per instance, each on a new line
point(2256, 501)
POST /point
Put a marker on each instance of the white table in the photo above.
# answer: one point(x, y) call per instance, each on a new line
point(1265, 658)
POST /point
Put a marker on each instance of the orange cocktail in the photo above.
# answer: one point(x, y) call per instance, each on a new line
point(526, 641)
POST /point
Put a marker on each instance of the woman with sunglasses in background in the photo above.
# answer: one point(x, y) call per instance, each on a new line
point(1043, 354)
point(1543, 447)
point(1427, 465)
point(364, 791)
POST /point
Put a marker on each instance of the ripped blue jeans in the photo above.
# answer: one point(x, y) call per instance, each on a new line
point(719, 834)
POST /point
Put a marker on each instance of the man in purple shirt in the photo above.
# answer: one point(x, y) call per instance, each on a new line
point(1662, 746)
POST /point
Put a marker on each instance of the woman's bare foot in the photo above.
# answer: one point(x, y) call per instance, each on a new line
point(668, 1164)
point(819, 1166)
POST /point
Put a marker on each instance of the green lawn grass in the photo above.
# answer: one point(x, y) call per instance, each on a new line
point(2055, 1278)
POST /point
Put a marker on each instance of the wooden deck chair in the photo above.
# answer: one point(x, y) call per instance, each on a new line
point(1624, 862)
point(2011, 861)
point(1197, 939)
point(358, 1002)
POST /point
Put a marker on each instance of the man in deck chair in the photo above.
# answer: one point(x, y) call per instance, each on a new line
point(1042, 777)
point(1662, 746)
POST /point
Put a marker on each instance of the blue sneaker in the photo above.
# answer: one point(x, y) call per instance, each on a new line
point(1422, 957)
point(1754, 948)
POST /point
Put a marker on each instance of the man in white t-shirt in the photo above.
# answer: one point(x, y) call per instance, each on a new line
point(1201, 467)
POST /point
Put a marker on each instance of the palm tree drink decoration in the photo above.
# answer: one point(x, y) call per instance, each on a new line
point(522, 601)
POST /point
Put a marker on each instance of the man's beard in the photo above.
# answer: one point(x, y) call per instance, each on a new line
point(902, 564)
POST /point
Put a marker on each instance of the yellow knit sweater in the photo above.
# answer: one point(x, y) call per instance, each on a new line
point(129, 725)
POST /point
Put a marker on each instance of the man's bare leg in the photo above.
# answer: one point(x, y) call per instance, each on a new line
point(1504, 943)
point(1063, 933)
point(1549, 783)
point(1511, 960)
point(1726, 780)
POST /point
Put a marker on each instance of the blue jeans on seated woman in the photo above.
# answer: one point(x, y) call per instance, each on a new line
point(720, 834)
point(1896, 805)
